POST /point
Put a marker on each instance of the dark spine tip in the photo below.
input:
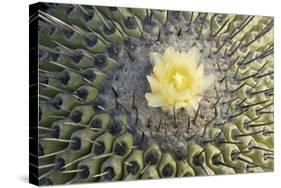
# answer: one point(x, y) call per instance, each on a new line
point(96, 123)
point(76, 116)
point(100, 61)
point(113, 50)
point(85, 171)
point(68, 34)
point(99, 148)
point(121, 148)
point(114, 127)
point(64, 77)
point(55, 132)
point(151, 158)
point(82, 93)
point(98, 102)
point(133, 168)
point(109, 29)
point(57, 103)
point(87, 17)
point(89, 74)
point(130, 22)
point(77, 144)
point(43, 54)
point(180, 153)
point(92, 41)
point(44, 80)
point(60, 162)
point(110, 173)
point(167, 170)
point(198, 160)
point(76, 58)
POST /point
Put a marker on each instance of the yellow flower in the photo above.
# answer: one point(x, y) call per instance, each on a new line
point(178, 80)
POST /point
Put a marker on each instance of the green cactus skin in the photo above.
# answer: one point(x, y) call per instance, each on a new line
point(94, 123)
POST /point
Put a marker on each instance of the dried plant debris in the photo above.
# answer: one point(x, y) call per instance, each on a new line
point(127, 93)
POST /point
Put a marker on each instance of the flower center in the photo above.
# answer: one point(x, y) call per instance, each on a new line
point(178, 80)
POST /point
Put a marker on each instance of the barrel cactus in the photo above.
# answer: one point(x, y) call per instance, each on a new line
point(129, 93)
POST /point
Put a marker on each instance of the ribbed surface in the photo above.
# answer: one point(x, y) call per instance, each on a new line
point(88, 134)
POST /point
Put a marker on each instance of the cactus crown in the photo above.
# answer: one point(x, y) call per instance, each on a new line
point(127, 93)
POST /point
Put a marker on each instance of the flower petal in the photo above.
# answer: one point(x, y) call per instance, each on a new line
point(200, 72)
point(172, 94)
point(159, 63)
point(155, 57)
point(178, 79)
point(169, 55)
point(192, 106)
point(181, 104)
point(154, 83)
point(155, 100)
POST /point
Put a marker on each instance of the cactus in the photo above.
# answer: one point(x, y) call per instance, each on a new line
point(113, 106)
